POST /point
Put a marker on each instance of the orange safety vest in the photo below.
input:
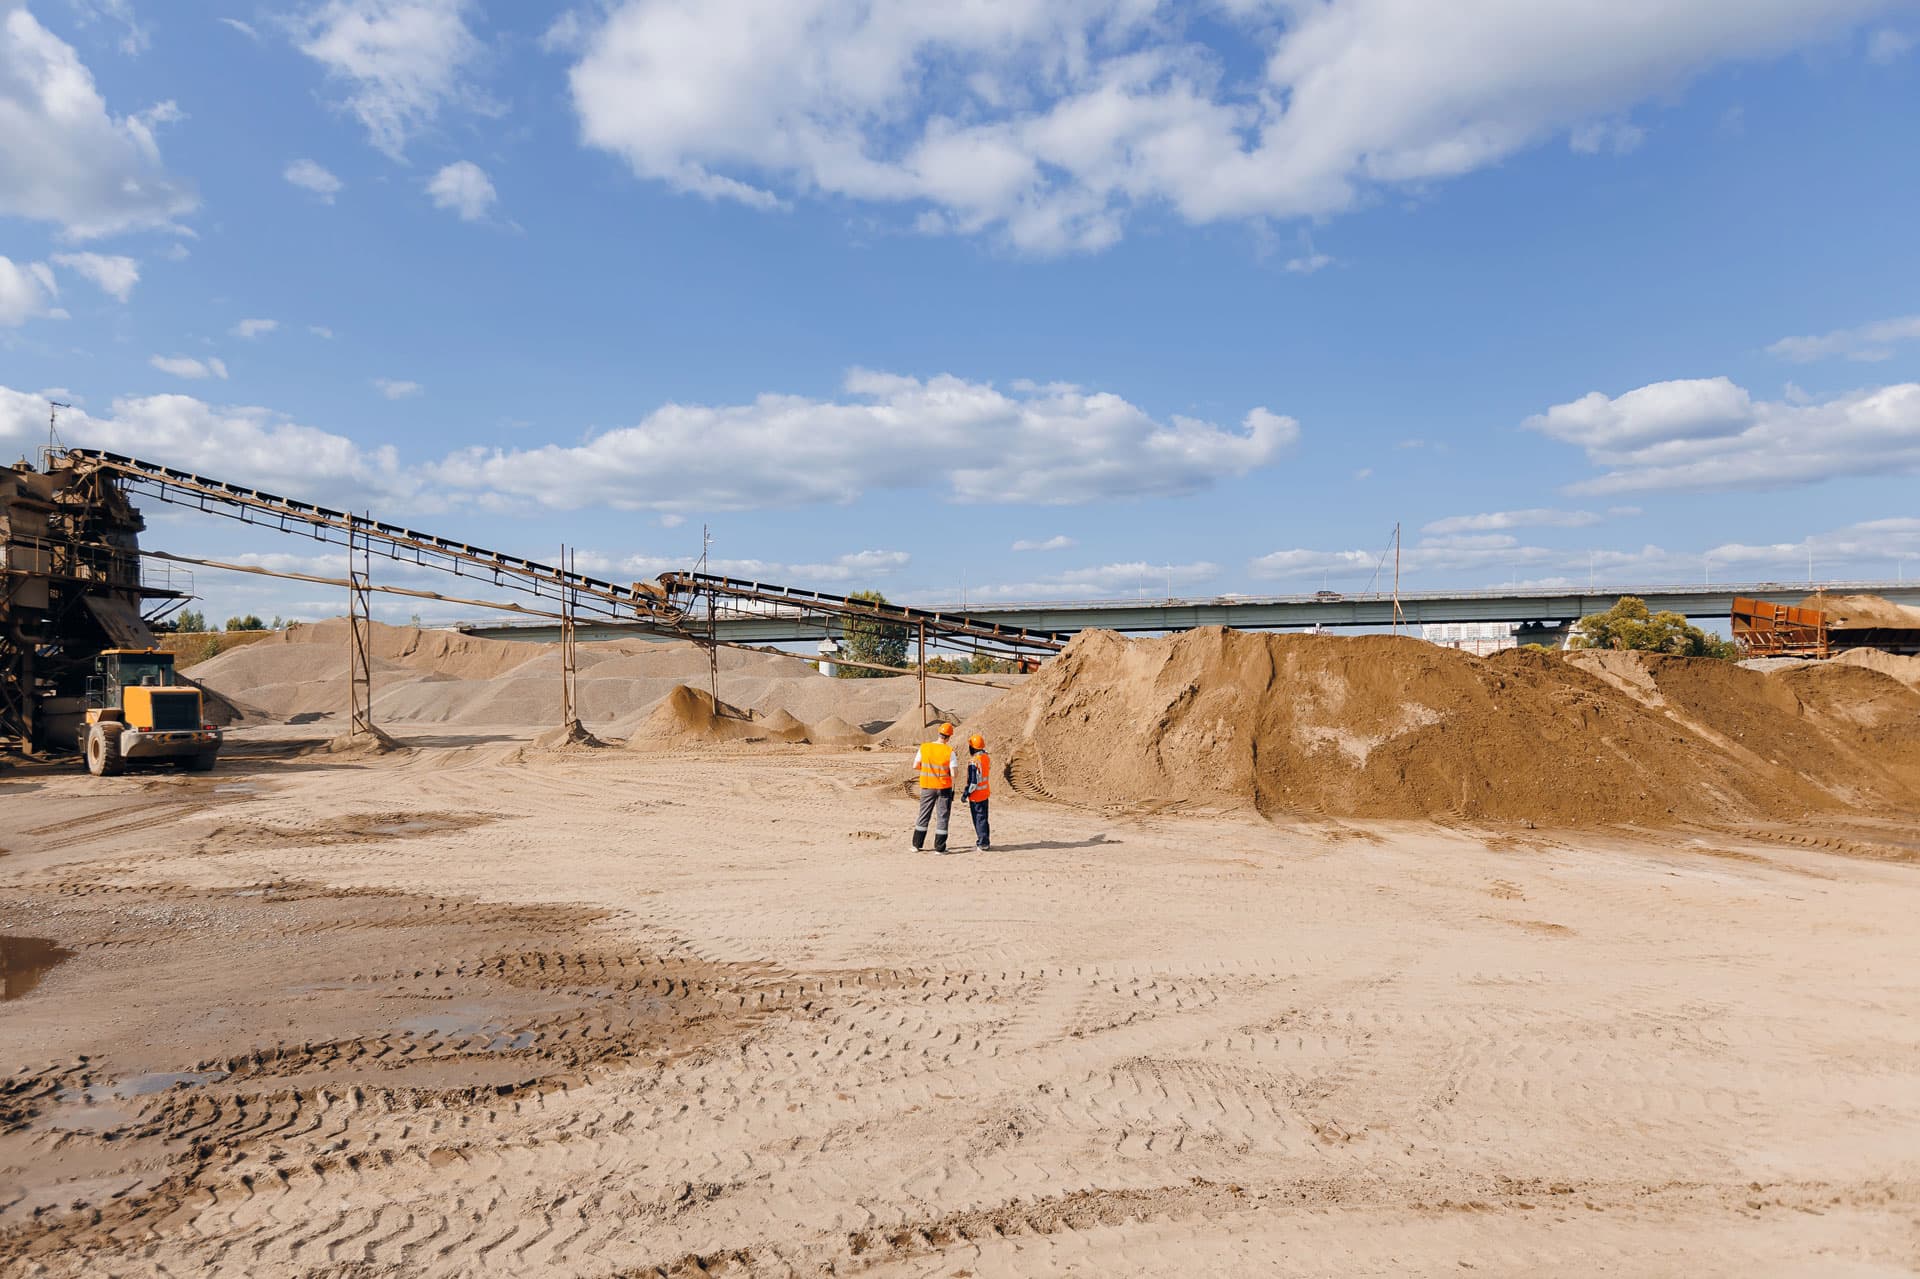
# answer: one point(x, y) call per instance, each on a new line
point(936, 766)
point(980, 792)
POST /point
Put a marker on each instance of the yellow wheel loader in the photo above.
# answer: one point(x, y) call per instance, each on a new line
point(137, 713)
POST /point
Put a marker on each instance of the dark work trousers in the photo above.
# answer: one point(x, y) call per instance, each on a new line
point(981, 835)
point(935, 806)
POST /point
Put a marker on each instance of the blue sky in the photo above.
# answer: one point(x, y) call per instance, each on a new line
point(1030, 300)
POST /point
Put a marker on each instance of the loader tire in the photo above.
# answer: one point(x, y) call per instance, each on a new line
point(103, 749)
point(203, 762)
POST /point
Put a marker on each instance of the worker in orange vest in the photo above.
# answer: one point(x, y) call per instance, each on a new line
point(979, 779)
point(934, 764)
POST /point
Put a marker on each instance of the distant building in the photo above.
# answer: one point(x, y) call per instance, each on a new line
point(1478, 638)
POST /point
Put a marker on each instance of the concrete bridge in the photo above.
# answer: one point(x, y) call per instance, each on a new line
point(1551, 608)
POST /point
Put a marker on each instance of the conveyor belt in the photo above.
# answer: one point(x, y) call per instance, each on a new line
point(668, 605)
point(463, 559)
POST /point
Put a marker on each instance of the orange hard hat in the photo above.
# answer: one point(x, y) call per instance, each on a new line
point(946, 730)
point(977, 742)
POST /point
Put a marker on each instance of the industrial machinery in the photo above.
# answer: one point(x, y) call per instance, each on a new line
point(1763, 629)
point(72, 585)
point(79, 597)
point(138, 713)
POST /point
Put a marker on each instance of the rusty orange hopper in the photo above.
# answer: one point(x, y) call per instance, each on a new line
point(1779, 630)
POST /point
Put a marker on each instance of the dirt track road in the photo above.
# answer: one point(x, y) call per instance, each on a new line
point(612, 1014)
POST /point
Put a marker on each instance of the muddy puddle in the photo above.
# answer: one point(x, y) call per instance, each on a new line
point(299, 1018)
point(24, 960)
point(474, 1029)
point(107, 1107)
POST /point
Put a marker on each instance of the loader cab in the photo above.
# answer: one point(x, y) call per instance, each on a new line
point(122, 668)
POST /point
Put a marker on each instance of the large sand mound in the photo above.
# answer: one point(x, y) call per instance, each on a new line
point(445, 678)
point(1383, 727)
point(1905, 669)
point(690, 716)
point(1861, 612)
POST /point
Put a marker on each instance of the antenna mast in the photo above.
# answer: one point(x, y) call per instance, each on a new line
point(53, 433)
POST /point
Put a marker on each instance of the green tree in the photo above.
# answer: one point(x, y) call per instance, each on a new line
point(871, 640)
point(190, 622)
point(1629, 624)
point(250, 622)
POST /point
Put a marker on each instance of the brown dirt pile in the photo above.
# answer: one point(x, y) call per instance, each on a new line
point(1852, 612)
point(690, 716)
point(445, 678)
point(1905, 669)
point(1384, 727)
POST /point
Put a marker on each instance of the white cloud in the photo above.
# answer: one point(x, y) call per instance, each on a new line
point(858, 566)
point(397, 388)
point(1708, 433)
point(27, 290)
point(244, 28)
point(134, 38)
point(187, 367)
point(1308, 263)
point(1049, 123)
point(1887, 46)
point(245, 445)
point(63, 158)
point(1533, 517)
point(1614, 137)
point(1857, 550)
point(566, 34)
point(254, 328)
point(306, 173)
point(1059, 542)
point(320, 331)
point(1356, 568)
point(112, 274)
point(1044, 445)
point(1867, 342)
point(1133, 578)
point(464, 187)
point(402, 61)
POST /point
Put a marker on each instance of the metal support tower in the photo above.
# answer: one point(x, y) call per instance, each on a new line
point(569, 711)
point(713, 624)
point(359, 625)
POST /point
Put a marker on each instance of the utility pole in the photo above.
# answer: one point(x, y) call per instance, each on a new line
point(1398, 618)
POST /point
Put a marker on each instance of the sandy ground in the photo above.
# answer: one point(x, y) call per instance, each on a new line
point(620, 1013)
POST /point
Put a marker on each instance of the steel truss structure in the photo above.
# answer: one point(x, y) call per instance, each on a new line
point(83, 543)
